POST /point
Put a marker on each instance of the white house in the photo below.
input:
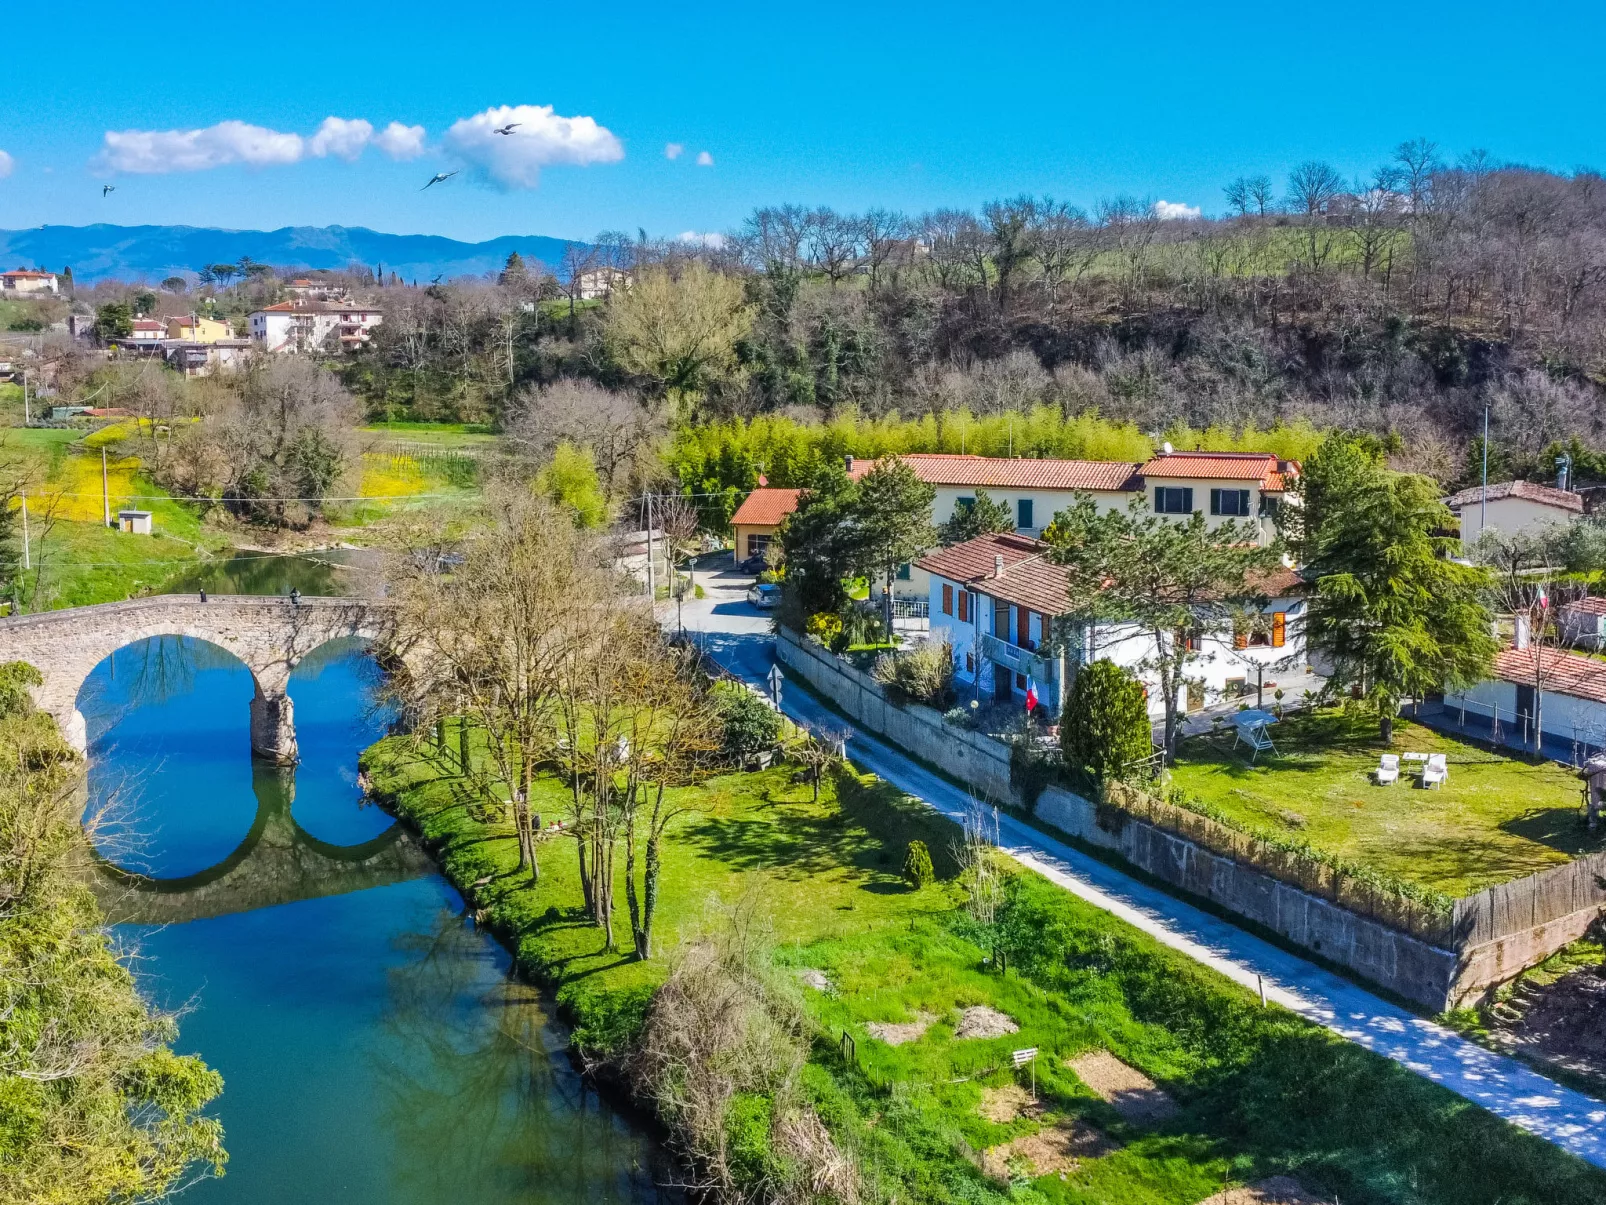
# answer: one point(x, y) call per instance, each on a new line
point(1513, 508)
point(1584, 622)
point(995, 599)
point(305, 289)
point(292, 326)
point(600, 282)
point(1572, 694)
point(25, 281)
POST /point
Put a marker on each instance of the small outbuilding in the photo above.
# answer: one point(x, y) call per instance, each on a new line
point(137, 522)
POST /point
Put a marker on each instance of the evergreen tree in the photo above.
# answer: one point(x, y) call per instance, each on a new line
point(1105, 728)
point(1391, 613)
point(822, 545)
point(894, 522)
point(982, 517)
point(514, 271)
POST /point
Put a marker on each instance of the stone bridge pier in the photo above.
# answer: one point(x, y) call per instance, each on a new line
point(270, 635)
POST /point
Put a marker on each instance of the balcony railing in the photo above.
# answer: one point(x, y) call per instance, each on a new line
point(1019, 660)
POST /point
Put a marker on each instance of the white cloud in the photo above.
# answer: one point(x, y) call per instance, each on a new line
point(674, 150)
point(341, 137)
point(714, 241)
point(704, 159)
point(542, 139)
point(401, 142)
point(7, 163)
point(228, 142)
point(1172, 211)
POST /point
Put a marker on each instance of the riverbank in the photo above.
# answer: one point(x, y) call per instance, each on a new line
point(889, 980)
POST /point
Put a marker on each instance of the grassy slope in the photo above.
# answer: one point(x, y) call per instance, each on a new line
point(1261, 1091)
point(1497, 818)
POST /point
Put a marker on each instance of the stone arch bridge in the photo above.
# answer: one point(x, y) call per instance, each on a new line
point(270, 635)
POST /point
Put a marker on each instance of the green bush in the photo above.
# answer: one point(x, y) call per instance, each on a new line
point(917, 866)
point(751, 725)
point(922, 673)
point(1105, 728)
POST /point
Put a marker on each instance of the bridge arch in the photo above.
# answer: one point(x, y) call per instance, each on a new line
point(270, 636)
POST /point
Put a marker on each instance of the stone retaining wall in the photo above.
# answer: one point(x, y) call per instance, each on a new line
point(970, 757)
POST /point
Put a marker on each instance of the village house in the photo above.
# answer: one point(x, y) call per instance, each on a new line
point(1571, 693)
point(306, 289)
point(996, 600)
point(195, 359)
point(192, 328)
point(1513, 508)
point(301, 326)
point(600, 282)
point(23, 281)
point(1248, 486)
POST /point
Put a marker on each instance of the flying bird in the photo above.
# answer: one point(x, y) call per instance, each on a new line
point(439, 178)
point(106, 188)
point(509, 128)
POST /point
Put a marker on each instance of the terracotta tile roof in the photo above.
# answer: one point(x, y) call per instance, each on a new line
point(1546, 495)
point(1020, 472)
point(1273, 474)
point(28, 274)
point(318, 307)
point(1029, 580)
point(1563, 673)
point(1587, 606)
point(766, 507)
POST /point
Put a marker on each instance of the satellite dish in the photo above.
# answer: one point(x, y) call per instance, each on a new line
point(1166, 449)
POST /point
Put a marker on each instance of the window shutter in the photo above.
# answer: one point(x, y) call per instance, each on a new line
point(1240, 638)
point(1279, 629)
point(1159, 499)
point(1215, 502)
point(964, 606)
point(1187, 500)
point(1243, 502)
point(1023, 627)
point(947, 599)
point(1023, 513)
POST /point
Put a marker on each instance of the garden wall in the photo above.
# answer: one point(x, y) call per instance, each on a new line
point(1405, 965)
point(1438, 961)
point(967, 756)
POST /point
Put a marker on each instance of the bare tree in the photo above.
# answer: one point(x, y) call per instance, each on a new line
point(834, 243)
point(1313, 186)
point(883, 233)
point(621, 432)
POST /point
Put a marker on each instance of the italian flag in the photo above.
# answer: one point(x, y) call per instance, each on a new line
point(1031, 696)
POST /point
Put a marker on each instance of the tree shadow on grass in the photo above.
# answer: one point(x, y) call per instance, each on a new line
point(1559, 828)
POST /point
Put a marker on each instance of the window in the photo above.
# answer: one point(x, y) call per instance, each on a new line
point(970, 663)
point(947, 599)
point(1023, 513)
point(1232, 688)
point(1188, 638)
point(904, 572)
point(963, 504)
point(1229, 502)
point(1269, 504)
point(1173, 500)
point(964, 605)
point(757, 543)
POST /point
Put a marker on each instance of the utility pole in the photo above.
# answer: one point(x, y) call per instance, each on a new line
point(1483, 494)
point(26, 562)
point(105, 492)
point(27, 415)
point(652, 577)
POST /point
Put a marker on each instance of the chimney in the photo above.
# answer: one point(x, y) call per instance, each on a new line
point(998, 564)
point(847, 463)
point(1520, 636)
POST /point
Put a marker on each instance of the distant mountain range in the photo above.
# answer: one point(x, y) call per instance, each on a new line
point(152, 253)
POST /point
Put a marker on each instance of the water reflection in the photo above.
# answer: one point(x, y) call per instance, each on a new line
point(372, 1046)
point(333, 572)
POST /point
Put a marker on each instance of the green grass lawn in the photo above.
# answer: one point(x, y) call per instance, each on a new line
point(1499, 817)
point(1259, 1091)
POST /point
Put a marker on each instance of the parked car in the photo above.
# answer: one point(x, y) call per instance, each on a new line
point(753, 564)
point(764, 596)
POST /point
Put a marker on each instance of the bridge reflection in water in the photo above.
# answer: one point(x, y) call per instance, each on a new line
point(173, 784)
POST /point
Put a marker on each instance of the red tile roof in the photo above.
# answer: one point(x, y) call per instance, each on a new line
point(766, 507)
point(1564, 673)
point(1029, 579)
point(1587, 606)
point(1020, 472)
point(1273, 474)
point(1545, 494)
point(28, 273)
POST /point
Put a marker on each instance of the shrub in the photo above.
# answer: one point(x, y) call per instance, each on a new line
point(917, 866)
point(922, 673)
point(751, 725)
point(825, 627)
point(1105, 728)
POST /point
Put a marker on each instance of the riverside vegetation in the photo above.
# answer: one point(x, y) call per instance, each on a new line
point(94, 1104)
point(790, 924)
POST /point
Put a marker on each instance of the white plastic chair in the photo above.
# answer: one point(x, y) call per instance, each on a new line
point(1388, 769)
point(1436, 772)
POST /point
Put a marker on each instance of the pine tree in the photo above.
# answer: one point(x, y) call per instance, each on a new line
point(980, 518)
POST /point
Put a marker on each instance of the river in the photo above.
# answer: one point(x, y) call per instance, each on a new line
point(373, 1044)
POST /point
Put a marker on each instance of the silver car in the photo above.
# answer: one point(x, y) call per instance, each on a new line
point(764, 595)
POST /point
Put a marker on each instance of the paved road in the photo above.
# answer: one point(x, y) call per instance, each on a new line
point(739, 637)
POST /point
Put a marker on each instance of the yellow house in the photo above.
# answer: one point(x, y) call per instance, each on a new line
point(194, 329)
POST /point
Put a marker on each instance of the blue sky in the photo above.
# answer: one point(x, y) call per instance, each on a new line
point(852, 105)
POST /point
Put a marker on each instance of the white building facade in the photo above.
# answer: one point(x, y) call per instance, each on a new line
point(24, 281)
point(1513, 508)
point(296, 326)
point(997, 599)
